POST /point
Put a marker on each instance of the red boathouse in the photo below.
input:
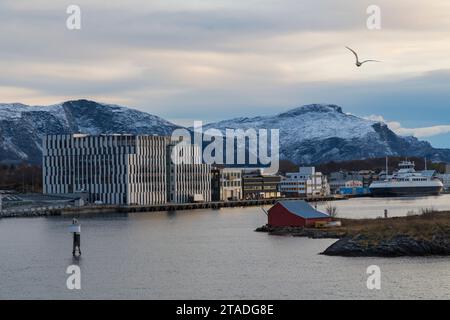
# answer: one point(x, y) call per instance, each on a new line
point(295, 213)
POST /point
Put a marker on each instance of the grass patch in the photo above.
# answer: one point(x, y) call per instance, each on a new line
point(421, 226)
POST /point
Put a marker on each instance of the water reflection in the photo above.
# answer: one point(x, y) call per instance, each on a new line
point(205, 254)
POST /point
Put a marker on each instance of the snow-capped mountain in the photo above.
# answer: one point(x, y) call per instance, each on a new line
point(22, 127)
point(310, 134)
point(320, 133)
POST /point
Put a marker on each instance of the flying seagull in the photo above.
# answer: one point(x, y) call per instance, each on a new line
point(358, 63)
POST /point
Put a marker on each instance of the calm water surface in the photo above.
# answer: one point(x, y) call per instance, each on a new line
point(206, 254)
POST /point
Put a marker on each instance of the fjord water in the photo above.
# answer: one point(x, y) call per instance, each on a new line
point(206, 254)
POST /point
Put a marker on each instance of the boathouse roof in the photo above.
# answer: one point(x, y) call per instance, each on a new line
point(302, 209)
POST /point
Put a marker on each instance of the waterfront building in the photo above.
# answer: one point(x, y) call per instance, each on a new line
point(189, 179)
point(338, 180)
point(445, 178)
point(295, 213)
point(368, 176)
point(304, 183)
point(257, 185)
point(120, 169)
point(112, 169)
point(226, 184)
point(355, 188)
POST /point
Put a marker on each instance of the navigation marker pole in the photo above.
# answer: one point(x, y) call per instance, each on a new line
point(75, 228)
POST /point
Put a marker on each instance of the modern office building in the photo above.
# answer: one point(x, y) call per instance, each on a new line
point(189, 180)
point(226, 184)
point(112, 169)
point(304, 183)
point(120, 169)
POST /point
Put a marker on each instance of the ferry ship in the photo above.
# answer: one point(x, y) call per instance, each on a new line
point(406, 182)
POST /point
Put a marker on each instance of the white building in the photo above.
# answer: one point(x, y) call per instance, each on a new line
point(189, 179)
point(112, 169)
point(445, 178)
point(120, 169)
point(305, 183)
point(226, 184)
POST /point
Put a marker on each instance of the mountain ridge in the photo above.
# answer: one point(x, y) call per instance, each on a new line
point(310, 134)
point(319, 133)
point(22, 127)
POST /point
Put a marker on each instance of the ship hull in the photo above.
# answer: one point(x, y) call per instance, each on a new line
point(405, 191)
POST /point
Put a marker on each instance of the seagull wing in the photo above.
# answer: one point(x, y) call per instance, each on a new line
point(369, 61)
point(356, 55)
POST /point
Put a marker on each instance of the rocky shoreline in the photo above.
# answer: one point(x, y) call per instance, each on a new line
point(301, 232)
point(421, 235)
point(397, 246)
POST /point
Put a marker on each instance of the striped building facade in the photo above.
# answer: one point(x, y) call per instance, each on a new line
point(189, 178)
point(124, 169)
point(113, 169)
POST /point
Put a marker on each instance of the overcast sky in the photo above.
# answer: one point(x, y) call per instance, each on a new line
point(215, 59)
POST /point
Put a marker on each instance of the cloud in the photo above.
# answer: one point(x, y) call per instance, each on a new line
point(216, 59)
point(422, 132)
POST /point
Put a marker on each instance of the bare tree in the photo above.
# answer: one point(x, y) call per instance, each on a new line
point(331, 210)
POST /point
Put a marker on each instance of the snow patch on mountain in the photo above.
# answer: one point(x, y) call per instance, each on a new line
point(305, 123)
point(22, 127)
point(309, 134)
point(319, 133)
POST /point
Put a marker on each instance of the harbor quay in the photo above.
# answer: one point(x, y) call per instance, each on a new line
point(99, 209)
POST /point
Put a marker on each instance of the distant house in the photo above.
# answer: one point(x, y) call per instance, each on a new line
point(304, 183)
point(341, 179)
point(295, 213)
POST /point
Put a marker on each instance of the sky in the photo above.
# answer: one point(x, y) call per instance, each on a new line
point(209, 60)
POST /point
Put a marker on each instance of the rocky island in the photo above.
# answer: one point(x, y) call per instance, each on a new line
point(416, 235)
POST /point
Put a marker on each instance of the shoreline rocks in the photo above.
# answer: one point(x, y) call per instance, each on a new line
point(301, 232)
point(397, 246)
point(367, 245)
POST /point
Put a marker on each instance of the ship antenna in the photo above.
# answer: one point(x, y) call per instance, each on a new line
point(425, 163)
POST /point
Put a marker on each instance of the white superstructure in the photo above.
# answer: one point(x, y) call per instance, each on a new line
point(406, 181)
